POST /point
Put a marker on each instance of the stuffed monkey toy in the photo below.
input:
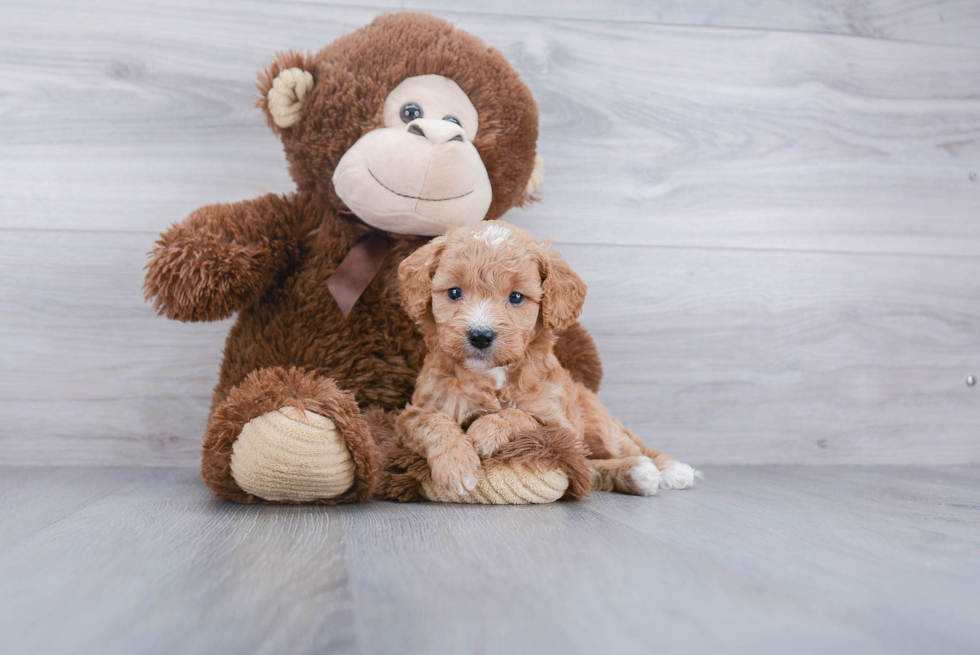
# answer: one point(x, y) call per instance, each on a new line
point(393, 133)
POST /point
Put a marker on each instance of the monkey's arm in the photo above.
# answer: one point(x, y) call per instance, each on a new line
point(222, 257)
point(578, 355)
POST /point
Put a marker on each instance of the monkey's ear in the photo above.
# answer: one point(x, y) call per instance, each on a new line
point(415, 277)
point(537, 176)
point(564, 291)
point(284, 85)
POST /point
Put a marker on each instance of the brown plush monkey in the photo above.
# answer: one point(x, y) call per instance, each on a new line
point(393, 134)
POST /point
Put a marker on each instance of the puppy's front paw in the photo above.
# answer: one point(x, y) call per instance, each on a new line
point(491, 431)
point(456, 468)
point(488, 433)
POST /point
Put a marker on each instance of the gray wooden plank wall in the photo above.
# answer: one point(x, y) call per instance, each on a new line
point(776, 206)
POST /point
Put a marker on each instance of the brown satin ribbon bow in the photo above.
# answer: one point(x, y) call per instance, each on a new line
point(361, 265)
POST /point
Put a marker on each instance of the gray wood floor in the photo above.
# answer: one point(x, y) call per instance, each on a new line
point(756, 560)
point(774, 204)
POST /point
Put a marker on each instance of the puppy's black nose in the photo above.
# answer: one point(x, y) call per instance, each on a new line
point(481, 337)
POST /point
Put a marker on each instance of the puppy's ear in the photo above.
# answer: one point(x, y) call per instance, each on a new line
point(564, 291)
point(415, 277)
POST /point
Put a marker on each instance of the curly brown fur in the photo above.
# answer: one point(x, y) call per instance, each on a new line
point(490, 432)
point(269, 259)
point(267, 390)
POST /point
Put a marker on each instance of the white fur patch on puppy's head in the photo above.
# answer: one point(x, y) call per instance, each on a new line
point(493, 234)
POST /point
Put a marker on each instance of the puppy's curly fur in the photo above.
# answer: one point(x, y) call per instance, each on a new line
point(490, 300)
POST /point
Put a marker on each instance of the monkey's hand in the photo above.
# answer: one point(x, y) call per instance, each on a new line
point(217, 261)
point(491, 431)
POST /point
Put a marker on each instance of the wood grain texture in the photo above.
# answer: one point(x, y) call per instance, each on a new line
point(755, 560)
point(951, 23)
point(674, 136)
point(778, 227)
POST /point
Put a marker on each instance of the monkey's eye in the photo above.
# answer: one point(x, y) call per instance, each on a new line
point(516, 298)
point(451, 119)
point(410, 112)
point(455, 293)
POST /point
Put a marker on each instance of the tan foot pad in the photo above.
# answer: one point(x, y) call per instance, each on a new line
point(506, 485)
point(292, 455)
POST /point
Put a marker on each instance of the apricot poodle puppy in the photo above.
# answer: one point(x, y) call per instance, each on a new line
point(490, 300)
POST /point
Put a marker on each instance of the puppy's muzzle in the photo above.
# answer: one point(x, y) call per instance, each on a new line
point(481, 338)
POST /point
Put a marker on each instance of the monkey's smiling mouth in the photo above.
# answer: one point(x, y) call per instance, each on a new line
point(403, 195)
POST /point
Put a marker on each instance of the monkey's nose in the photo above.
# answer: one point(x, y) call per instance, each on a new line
point(481, 338)
point(436, 131)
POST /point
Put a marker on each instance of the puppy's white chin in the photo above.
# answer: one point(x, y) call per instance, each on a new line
point(479, 363)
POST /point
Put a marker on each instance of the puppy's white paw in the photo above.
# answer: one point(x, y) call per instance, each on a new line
point(677, 475)
point(646, 477)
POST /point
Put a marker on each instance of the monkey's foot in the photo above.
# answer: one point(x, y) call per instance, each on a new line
point(536, 466)
point(506, 485)
point(289, 436)
point(292, 455)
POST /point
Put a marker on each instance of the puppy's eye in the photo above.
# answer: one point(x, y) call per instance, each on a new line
point(516, 298)
point(455, 293)
point(451, 119)
point(410, 112)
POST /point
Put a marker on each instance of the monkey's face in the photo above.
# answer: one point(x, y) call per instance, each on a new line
point(420, 173)
point(412, 124)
